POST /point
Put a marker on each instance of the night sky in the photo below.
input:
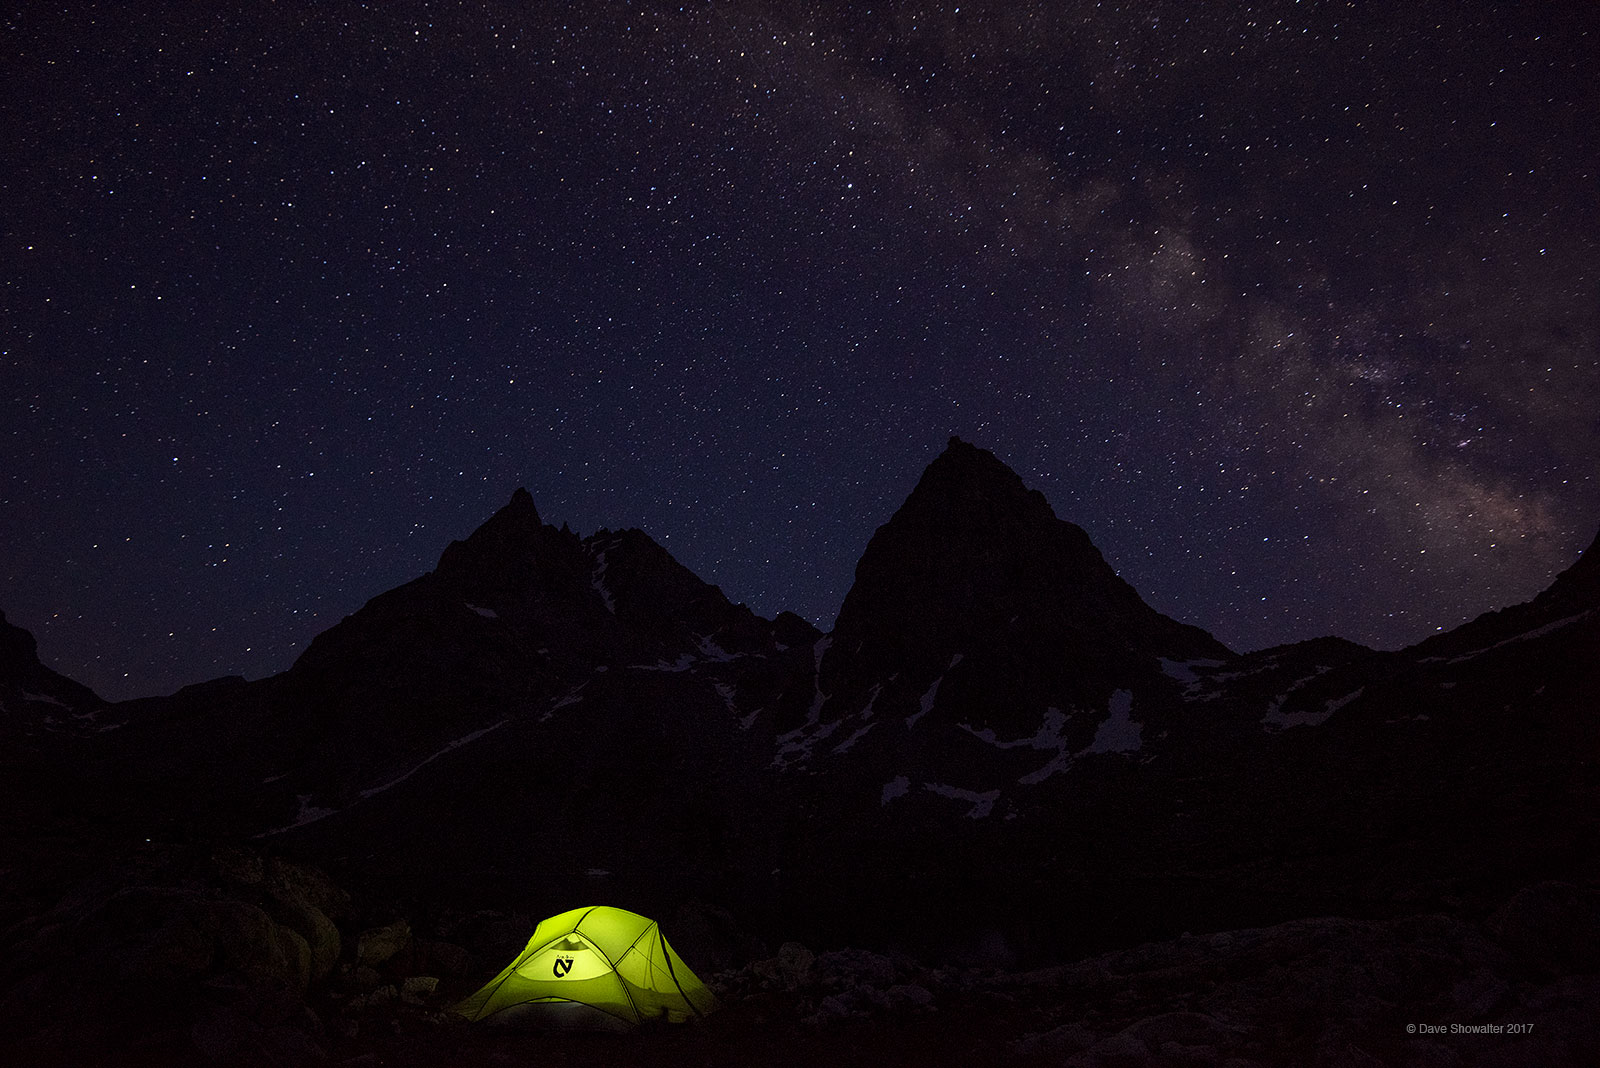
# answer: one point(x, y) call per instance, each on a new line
point(1293, 306)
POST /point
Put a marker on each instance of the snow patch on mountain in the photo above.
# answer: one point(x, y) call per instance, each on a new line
point(597, 579)
point(1537, 632)
point(1119, 733)
point(1048, 736)
point(711, 650)
point(822, 645)
point(795, 746)
point(898, 786)
point(932, 693)
point(450, 747)
point(684, 662)
point(308, 813)
point(571, 697)
point(1278, 720)
point(982, 803)
point(844, 746)
point(486, 613)
point(1193, 682)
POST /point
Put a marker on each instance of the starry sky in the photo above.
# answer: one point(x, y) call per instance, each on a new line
point(1293, 306)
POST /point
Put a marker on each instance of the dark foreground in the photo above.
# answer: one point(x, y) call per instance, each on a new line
point(184, 972)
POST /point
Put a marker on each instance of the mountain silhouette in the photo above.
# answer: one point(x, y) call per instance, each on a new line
point(996, 718)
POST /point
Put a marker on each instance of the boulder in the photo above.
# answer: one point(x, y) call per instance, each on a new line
point(791, 968)
point(1068, 1038)
point(249, 942)
point(321, 936)
point(443, 958)
point(379, 945)
point(288, 882)
point(418, 988)
point(908, 998)
point(1121, 1050)
point(1551, 928)
point(1185, 1028)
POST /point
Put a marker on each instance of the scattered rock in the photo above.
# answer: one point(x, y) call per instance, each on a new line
point(380, 944)
point(418, 988)
point(321, 936)
point(1184, 1028)
point(835, 1006)
point(249, 942)
point(909, 998)
point(1068, 1038)
point(1118, 1051)
point(299, 883)
point(364, 979)
point(845, 968)
point(791, 968)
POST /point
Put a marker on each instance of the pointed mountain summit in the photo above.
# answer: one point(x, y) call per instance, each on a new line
point(516, 563)
point(507, 536)
point(975, 581)
point(973, 552)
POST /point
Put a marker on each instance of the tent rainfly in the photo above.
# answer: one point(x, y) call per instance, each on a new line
point(596, 968)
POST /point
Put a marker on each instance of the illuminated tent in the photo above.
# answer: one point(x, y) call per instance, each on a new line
point(595, 968)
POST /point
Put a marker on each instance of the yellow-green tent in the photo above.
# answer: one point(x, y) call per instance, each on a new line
point(593, 968)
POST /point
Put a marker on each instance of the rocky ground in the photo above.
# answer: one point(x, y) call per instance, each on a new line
point(229, 957)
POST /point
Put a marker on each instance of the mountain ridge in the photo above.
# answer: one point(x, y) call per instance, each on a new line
point(991, 689)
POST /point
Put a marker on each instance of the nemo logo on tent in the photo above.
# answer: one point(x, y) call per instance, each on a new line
point(562, 967)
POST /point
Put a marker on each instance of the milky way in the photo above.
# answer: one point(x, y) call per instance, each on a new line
point(1292, 306)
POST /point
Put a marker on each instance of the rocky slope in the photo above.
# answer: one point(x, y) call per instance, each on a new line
point(36, 702)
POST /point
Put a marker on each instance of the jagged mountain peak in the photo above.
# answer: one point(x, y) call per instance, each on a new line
point(973, 552)
point(644, 586)
point(511, 533)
